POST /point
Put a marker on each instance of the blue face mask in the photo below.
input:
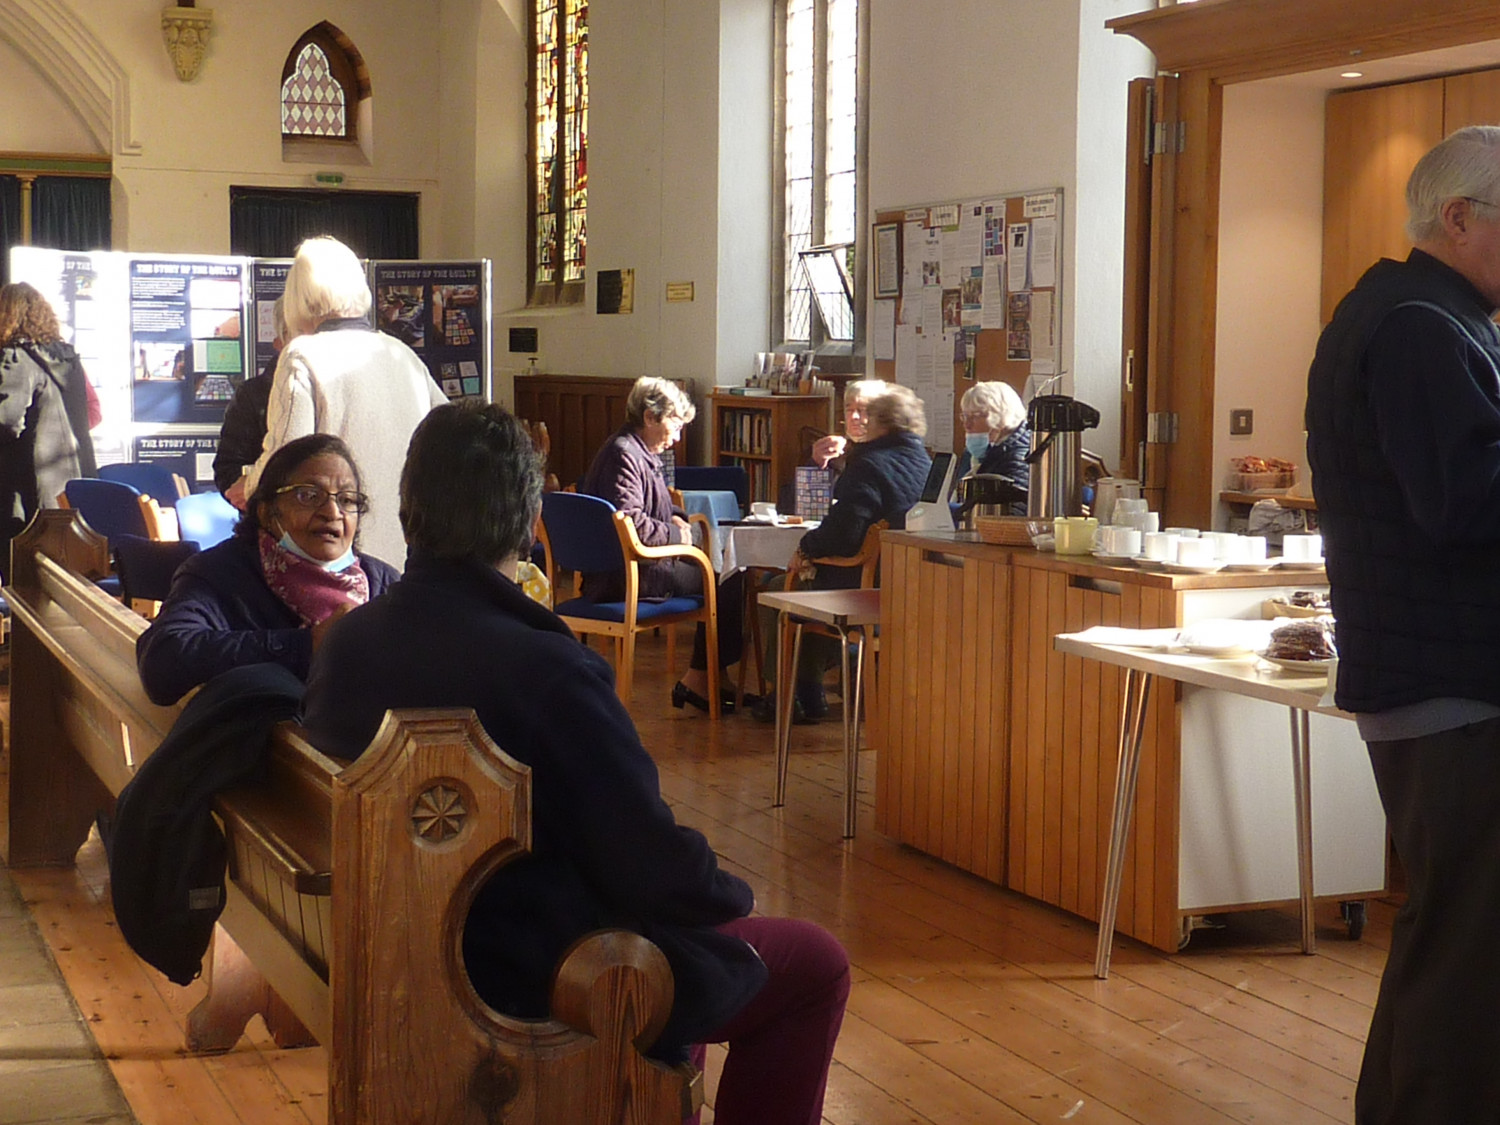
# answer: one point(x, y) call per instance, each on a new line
point(977, 445)
point(343, 562)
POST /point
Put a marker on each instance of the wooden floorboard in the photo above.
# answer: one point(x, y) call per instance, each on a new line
point(970, 1003)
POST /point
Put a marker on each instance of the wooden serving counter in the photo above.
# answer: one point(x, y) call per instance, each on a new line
point(997, 754)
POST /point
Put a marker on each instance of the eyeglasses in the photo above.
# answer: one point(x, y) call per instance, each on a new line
point(1481, 202)
point(312, 497)
point(975, 416)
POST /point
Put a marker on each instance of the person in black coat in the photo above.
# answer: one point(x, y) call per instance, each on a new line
point(882, 478)
point(44, 413)
point(456, 631)
point(269, 593)
point(996, 436)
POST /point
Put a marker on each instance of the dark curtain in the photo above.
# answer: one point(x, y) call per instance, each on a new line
point(70, 213)
point(374, 224)
point(10, 222)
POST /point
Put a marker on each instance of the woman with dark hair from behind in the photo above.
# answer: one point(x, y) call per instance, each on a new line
point(456, 631)
point(269, 592)
point(44, 412)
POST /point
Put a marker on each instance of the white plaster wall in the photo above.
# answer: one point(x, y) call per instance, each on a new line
point(1270, 268)
point(973, 98)
point(199, 138)
point(38, 118)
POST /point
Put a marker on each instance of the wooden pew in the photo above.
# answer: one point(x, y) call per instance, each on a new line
point(330, 864)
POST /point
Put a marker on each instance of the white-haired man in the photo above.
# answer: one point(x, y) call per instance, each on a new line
point(1403, 420)
point(339, 376)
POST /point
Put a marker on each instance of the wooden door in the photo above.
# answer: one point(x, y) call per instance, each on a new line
point(1134, 354)
point(1372, 140)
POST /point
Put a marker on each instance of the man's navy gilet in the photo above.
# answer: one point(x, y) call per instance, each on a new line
point(1416, 619)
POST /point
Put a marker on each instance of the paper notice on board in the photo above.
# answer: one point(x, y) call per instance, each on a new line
point(1044, 254)
point(1018, 326)
point(931, 307)
point(994, 227)
point(1043, 337)
point(907, 337)
point(1017, 257)
point(954, 262)
point(1041, 205)
point(884, 329)
point(992, 305)
point(914, 243)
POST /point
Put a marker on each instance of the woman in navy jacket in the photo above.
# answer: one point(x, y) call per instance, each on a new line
point(268, 593)
point(457, 631)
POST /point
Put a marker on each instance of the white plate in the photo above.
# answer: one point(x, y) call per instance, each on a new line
point(1104, 556)
point(1251, 567)
point(1301, 564)
point(1193, 568)
point(1150, 564)
point(1304, 667)
point(1226, 650)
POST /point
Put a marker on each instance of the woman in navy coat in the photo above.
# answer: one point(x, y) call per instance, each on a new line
point(268, 593)
point(456, 631)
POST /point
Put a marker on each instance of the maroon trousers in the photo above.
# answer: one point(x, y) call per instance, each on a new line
point(781, 1042)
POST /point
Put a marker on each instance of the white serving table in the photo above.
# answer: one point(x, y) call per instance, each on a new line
point(844, 611)
point(1301, 694)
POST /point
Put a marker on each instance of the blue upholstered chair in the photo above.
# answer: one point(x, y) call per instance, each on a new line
point(206, 518)
point(590, 536)
point(156, 481)
point(145, 567)
point(113, 509)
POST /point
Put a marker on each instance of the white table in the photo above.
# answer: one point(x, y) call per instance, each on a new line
point(844, 611)
point(1301, 694)
point(760, 544)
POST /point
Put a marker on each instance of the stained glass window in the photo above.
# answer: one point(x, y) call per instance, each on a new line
point(313, 103)
point(820, 81)
point(559, 150)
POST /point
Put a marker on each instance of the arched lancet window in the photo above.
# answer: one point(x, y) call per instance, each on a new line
point(323, 83)
point(559, 150)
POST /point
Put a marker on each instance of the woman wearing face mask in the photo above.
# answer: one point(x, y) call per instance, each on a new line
point(996, 437)
point(270, 592)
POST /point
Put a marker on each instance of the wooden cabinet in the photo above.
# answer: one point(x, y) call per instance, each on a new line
point(764, 434)
point(997, 754)
point(1373, 138)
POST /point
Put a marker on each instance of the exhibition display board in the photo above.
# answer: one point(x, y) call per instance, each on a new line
point(167, 338)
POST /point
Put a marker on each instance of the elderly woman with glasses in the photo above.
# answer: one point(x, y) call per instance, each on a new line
point(627, 471)
point(996, 437)
point(269, 593)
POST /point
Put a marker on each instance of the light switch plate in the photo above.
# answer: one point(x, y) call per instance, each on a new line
point(1241, 422)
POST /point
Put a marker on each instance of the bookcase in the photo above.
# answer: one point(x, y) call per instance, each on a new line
point(764, 434)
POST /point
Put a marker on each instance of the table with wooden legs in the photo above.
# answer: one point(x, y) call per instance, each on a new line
point(845, 612)
point(1300, 694)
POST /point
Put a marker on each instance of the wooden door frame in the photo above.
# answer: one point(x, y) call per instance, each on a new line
point(1199, 49)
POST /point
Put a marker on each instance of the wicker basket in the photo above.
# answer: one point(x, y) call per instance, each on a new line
point(1005, 531)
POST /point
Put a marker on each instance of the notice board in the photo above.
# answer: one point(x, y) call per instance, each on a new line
point(967, 290)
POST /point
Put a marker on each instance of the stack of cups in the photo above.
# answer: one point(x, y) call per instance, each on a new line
point(1302, 549)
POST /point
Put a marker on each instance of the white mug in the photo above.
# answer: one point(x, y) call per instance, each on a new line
point(1302, 548)
point(1160, 546)
point(1122, 541)
point(1182, 532)
point(1220, 543)
point(1255, 548)
point(763, 510)
point(1195, 552)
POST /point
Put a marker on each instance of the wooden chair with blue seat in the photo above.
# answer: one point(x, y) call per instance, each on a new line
point(206, 518)
point(146, 567)
point(114, 509)
point(155, 480)
point(591, 536)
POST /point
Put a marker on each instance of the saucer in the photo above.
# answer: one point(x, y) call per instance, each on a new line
point(1302, 564)
point(1104, 556)
point(1193, 568)
point(1259, 566)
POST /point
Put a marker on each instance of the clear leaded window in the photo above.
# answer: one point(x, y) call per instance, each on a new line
point(820, 78)
point(313, 103)
point(559, 150)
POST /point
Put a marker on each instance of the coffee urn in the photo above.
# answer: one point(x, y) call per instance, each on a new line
point(1057, 423)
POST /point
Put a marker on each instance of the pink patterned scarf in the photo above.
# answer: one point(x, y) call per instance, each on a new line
point(307, 589)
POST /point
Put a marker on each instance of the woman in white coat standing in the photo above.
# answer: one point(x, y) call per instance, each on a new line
point(340, 376)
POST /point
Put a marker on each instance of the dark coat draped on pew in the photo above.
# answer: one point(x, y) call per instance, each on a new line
point(606, 849)
point(220, 614)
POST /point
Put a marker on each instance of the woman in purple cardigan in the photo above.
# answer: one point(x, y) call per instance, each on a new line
point(627, 472)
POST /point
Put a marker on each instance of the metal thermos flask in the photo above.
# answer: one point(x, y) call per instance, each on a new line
point(1057, 423)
